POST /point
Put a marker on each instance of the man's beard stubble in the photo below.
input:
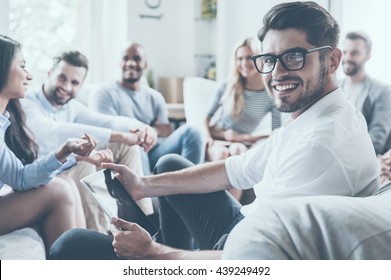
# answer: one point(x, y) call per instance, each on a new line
point(309, 95)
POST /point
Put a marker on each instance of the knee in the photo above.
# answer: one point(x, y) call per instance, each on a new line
point(171, 162)
point(61, 191)
point(63, 247)
point(215, 153)
point(237, 149)
point(193, 134)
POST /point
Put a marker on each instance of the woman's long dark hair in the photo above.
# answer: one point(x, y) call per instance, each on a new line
point(17, 137)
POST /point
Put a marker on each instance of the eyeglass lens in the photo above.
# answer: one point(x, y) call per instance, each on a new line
point(291, 61)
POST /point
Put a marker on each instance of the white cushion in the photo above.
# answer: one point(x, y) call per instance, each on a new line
point(197, 93)
point(317, 227)
point(22, 244)
point(25, 243)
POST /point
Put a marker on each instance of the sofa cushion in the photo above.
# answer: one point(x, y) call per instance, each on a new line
point(317, 227)
point(25, 243)
point(22, 244)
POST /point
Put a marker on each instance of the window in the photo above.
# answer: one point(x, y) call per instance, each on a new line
point(47, 28)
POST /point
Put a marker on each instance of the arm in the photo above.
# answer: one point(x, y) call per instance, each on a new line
point(106, 102)
point(124, 130)
point(145, 137)
point(24, 177)
point(160, 115)
point(133, 242)
point(208, 134)
point(44, 128)
point(203, 178)
point(213, 107)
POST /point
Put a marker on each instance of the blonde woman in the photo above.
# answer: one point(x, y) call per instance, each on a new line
point(238, 106)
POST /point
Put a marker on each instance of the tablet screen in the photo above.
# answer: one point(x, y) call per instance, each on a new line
point(103, 185)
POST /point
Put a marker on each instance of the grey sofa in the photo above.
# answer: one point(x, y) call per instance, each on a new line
point(317, 227)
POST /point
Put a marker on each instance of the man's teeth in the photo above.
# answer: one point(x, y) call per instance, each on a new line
point(285, 87)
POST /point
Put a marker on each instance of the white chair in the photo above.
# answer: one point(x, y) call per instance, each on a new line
point(197, 93)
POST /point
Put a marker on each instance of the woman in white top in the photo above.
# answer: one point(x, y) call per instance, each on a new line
point(37, 198)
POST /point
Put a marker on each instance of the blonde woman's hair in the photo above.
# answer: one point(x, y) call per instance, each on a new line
point(233, 95)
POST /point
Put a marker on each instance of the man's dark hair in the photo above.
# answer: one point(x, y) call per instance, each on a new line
point(359, 35)
point(309, 17)
point(74, 58)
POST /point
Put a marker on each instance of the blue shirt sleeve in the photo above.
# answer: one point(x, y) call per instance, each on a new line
point(24, 177)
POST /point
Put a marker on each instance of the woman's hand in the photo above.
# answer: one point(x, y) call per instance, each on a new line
point(80, 146)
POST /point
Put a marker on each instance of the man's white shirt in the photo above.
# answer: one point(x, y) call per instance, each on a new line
point(325, 151)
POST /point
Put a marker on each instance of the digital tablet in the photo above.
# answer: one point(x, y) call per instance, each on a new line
point(103, 185)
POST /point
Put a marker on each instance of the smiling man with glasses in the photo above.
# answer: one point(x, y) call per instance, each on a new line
point(324, 149)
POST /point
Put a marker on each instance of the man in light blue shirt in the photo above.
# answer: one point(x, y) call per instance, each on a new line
point(54, 115)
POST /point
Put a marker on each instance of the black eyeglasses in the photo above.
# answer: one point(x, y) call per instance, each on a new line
point(291, 60)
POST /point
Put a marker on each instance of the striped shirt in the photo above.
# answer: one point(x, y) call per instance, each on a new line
point(256, 105)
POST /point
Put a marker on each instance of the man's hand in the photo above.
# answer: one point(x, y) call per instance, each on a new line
point(147, 137)
point(97, 157)
point(130, 240)
point(133, 242)
point(385, 167)
point(130, 180)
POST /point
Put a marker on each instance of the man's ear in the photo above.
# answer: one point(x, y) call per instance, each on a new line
point(335, 60)
point(368, 56)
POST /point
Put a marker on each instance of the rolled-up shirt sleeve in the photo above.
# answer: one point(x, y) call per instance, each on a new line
point(246, 170)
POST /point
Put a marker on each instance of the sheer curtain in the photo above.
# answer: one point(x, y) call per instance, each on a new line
point(373, 18)
point(97, 28)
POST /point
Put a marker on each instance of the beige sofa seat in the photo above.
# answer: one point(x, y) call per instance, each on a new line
point(22, 244)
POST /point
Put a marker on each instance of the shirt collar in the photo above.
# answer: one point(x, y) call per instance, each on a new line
point(334, 98)
point(4, 121)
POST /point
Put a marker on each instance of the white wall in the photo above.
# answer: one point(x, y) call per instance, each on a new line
point(109, 34)
point(4, 6)
point(236, 20)
point(169, 41)
point(374, 19)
